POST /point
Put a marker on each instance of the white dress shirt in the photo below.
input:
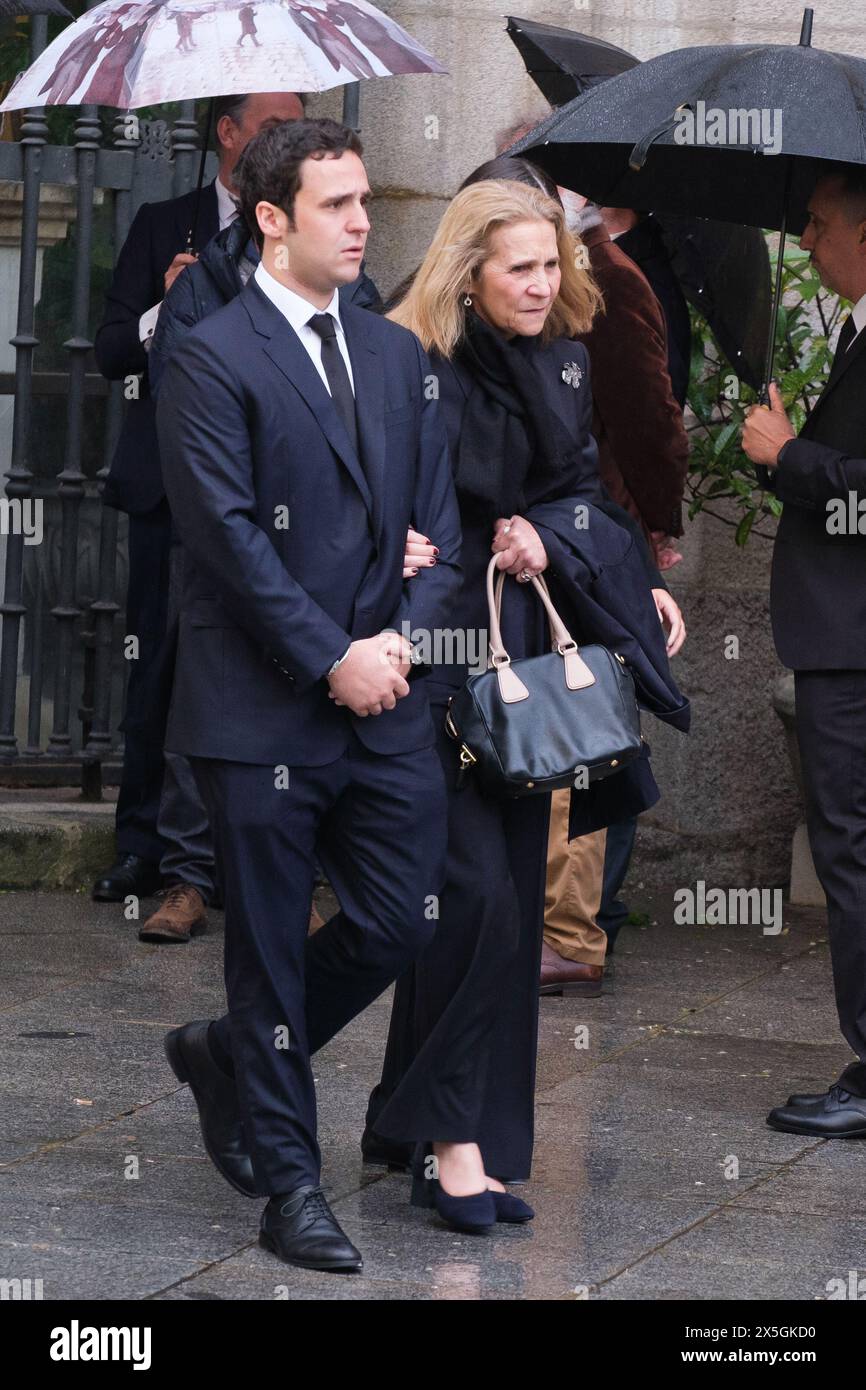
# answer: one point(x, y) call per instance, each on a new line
point(228, 210)
point(858, 314)
point(298, 312)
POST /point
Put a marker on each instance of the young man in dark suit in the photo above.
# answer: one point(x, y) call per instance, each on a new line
point(818, 608)
point(162, 830)
point(298, 444)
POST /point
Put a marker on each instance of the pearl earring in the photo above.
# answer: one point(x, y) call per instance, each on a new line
point(467, 300)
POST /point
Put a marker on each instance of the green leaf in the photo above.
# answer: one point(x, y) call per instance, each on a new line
point(724, 437)
point(741, 535)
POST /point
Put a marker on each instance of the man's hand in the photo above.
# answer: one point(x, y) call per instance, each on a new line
point(518, 547)
point(671, 620)
point(420, 553)
point(372, 677)
point(665, 550)
point(766, 431)
point(177, 265)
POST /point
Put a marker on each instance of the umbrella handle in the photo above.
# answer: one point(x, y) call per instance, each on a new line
point(190, 236)
point(637, 158)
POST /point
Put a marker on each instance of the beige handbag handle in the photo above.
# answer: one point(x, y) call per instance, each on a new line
point(511, 687)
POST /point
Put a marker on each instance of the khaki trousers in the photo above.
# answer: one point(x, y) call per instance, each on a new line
point(575, 872)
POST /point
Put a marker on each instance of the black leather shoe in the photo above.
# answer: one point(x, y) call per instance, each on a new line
point(806, 1098)
point(300, 1229)
point(840, 1115)
point(386, 1153)
point(191, 1060)
point(129, 875)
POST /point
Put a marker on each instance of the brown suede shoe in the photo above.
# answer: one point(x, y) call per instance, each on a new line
point(181, 915)
point(561, 976)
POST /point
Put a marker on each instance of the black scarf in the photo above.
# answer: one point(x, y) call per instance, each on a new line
point(508, 431)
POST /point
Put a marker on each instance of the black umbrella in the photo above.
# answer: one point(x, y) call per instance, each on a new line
point(13, 8)
point(722, 269)
point(622, 142)
point(563, 63)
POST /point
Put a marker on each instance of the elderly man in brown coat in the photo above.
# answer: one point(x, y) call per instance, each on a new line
point(643, 445)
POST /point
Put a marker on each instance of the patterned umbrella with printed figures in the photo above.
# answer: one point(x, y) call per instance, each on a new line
point(131, 53)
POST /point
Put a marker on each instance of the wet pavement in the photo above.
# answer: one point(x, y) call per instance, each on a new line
point(655, 1175)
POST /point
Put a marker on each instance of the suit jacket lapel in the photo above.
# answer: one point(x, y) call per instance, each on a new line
point(287, 352)
point(841, 364)
point(369, 405)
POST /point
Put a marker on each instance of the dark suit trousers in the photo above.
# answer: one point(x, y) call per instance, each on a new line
point(160, 815)
point(143, 722)
point(831, 732)
point(378, 826)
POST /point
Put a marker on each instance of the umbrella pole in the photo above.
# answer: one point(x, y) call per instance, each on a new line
point(777, 290)
point(774, 316)
point(352, 105)
point(190, 240)
point(762, 472)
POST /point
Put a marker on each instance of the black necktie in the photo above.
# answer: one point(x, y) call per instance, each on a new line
point(335, 371)
point(846, 337)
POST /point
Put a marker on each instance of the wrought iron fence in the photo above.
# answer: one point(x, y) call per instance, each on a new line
point(61, 660)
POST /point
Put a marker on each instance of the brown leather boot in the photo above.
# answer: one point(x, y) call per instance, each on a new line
point(181, 915)
point(561, 976)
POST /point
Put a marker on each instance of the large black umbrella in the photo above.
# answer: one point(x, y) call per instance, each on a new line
point(722, 269)
point(623, 144)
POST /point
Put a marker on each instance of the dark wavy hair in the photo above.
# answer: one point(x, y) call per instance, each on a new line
point(269, 170)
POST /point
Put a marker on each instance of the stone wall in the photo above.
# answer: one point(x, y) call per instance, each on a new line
point(729, 802)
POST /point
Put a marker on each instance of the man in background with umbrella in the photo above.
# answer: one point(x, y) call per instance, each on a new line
point(818, 609)
point(154, 254)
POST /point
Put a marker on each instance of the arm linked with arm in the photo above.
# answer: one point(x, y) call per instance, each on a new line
point(426, 597)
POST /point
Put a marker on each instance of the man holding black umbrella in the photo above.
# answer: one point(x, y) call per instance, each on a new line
point(818, 608)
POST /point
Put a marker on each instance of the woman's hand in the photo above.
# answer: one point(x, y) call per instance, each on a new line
point(671, 620)
point(518, 548)
point(420, 553)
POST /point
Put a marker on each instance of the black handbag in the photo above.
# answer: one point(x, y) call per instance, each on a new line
point(563, 719)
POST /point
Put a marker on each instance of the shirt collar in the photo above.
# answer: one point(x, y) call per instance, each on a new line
point(858, 313)
point(293, 306)
point(227, 204)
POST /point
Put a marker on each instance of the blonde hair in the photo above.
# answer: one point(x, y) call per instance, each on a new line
point(433, 307)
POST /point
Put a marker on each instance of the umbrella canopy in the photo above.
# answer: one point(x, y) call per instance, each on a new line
point(12, 8)
point(651, 138)
point(129, 53)
point(563, 63)
point(722, 269)
point(737, 132)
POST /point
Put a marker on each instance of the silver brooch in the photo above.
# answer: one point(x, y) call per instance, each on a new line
point(572, 374)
